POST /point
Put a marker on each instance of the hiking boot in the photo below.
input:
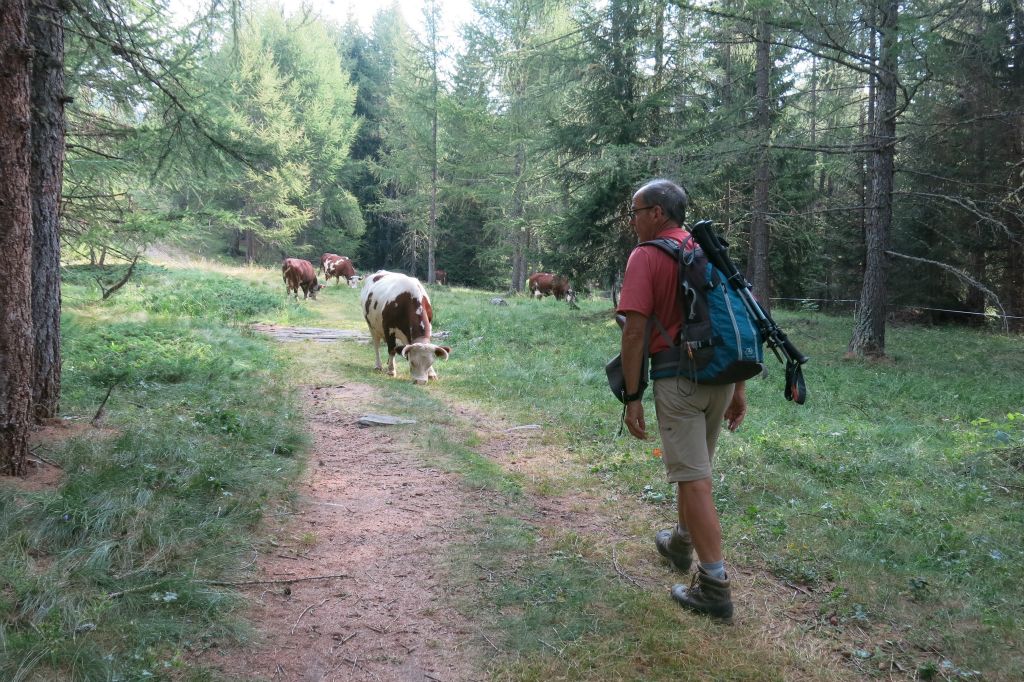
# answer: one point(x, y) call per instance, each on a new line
point(676, 547)
point(706, 595)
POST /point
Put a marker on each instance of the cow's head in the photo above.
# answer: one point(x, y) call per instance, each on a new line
point(354, 280)
point(421, 358)
point(313, 288)
point(570, 296)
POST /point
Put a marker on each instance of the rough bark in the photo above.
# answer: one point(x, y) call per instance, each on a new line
point(757, 263)
point(869, 322)
point(46, 30)
point(15, 237)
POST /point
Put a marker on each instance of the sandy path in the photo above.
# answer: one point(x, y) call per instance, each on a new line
point(370, 511)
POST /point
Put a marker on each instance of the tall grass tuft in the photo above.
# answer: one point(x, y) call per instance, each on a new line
point(108, 575)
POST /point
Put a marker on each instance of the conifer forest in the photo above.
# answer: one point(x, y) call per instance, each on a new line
point(858, 155)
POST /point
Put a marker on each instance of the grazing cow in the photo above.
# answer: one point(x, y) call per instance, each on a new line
point(440, 276)
point(397, 310)
point(299, 273)
point(337, 267)
point(544, 284)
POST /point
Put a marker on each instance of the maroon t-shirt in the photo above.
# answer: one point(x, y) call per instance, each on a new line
point(650, 285)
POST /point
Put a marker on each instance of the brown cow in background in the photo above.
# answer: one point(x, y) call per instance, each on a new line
point(440, 276)
point(545, 284)
point(298, 274)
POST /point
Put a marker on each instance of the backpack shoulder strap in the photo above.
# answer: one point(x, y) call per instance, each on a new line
point(669, 246)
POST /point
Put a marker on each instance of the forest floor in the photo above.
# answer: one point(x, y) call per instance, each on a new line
point(356, 586)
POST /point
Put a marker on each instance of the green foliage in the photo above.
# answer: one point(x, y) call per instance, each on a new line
point(290, 106)
point(107, 574)
point(193, 294)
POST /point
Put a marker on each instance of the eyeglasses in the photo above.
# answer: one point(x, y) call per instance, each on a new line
point(631, 213)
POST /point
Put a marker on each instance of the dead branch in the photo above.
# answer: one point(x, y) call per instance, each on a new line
point(142, 588)
point(124, 280)
point(282, 581)
point(488, 640)
point(43, 459)
point(963, 276)
point(618, 569)
point(304, 611)
point(99, 413)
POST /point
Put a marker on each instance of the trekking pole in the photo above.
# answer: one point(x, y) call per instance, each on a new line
point(717, 252)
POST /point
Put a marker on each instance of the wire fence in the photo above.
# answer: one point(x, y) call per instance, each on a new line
point(891, 306)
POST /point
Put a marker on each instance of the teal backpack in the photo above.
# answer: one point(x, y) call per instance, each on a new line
point(719, 342)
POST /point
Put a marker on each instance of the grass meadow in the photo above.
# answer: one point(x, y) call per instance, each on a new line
point(894, 497)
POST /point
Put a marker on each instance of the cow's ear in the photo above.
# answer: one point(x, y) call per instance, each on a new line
point(403, 350)
point(442, 351)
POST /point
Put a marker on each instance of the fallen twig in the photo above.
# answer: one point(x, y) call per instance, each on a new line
point(490, 573)
point(488, 640)
point(557, 651)
point(798, 588)
point(115, 595)
point(283, 581)
point(99, 413)
point(618, 569)
point(308, 608)
point(54, 464)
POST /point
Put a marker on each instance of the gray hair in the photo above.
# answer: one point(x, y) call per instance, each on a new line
point(667, 194)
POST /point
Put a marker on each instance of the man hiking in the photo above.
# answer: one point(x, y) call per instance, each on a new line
point(690, 415)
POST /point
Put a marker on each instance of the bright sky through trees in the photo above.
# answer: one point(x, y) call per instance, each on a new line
point(454, 12)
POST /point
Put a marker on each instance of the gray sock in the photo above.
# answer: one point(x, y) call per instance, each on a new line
point(715, 569)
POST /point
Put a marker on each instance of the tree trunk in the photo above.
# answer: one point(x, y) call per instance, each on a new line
point(757, 261)
point(869, 322)
point(46, 29)
point(1014, 298)
point(250, 247)
point(519, 233)
point(432, 227)
point(15, 237)
point(235, 245)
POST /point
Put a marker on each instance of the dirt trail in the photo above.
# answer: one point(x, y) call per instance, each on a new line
point(368, 510)
point(373, 516)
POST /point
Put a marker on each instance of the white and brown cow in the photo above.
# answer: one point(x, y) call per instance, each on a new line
point(333, 265)
point(397, 310)
point(298, 273)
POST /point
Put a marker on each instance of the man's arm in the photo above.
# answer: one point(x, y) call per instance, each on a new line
point(737, 409)
point(632, 361)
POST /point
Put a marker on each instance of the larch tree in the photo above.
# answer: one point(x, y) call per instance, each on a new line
point(516, 54)
point(868, 338)
point(16, 354)
point(414, 141)
point(279, 93)
point(370, 59)
point(46, 29)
